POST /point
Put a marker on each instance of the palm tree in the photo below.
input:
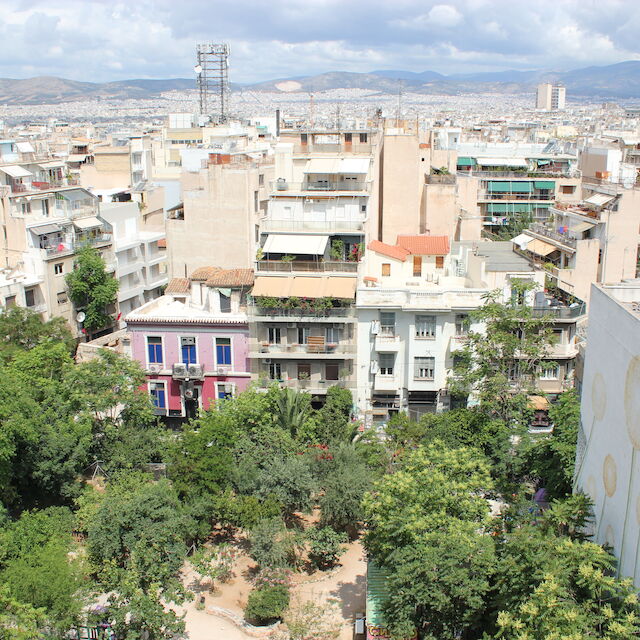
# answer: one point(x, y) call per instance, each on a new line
point(292, 410)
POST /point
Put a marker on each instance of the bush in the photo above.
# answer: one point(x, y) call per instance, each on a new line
point(267, 604)
point(270, 544)
point(325, 547)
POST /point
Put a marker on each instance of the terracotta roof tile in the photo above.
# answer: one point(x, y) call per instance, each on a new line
point(204, 273)
point(178, 286)
point(398, 253)
point(425, 245)
point(162, 243)
point(232, 278)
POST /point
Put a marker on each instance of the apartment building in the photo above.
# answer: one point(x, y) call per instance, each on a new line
point(193, 342)
point(595, 240)
point(42, 229)
point(550, 97)
point(413, 304)
point(222, 207)
point(140, 256)
point(609, 433)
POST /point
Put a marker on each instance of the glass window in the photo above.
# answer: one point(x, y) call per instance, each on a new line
point(225, 303)
point(424, 368)
point(363, 137)
point(274, 335)
point(425, 326)
point(304, 370)
point(462, 324)
point(224, 391)
point(223, 351)
point(10, 301)
point(154, 350)
point(552, 373)
point(386, 362)
point(30, 297)
point(58, 268)
point(275, 371)
point(386, 268)
point(188, 350)
point(158, 395)
point(332, 335)
point(387, 323)
point(331, 372)
point(303, 335)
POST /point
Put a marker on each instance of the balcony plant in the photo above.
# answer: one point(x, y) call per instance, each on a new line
point(287, 258)
point(337, 249)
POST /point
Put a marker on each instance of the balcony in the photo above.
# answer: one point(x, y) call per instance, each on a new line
point(561, 312)
point(546, 232)
point(338, 147)
point(325, 266)
point(38, 308)
point(387, 343)
point(297, 314)
point(559, 351)
point(66, 248)
point(485, 196)
point(293, 351)
point(328, 226)
point(436, 300)
point(386, 382)
point(313, 386)
point(315, 186)
point(573, 173)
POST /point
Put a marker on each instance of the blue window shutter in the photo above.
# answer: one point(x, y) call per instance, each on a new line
point(161, 399)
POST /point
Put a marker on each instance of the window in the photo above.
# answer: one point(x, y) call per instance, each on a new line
point(552, 373)
point(387, 323)
point(568, 189)
point(424, 368)
point(275, 371)
point(462, 324)
point(385, 363)
point(274, 334)
point(348, 138)
point(10, 301)
point(256, 204)
point(154, 350)
point(363, 208)
point(62, 297)
point(45, 208)
point(225, 303)
point(303, 335)
point(386, 269)
point(261, 179)
point(158, 394)
point(188, 350)
point(417, 266)
point(25, 207)
point(30, 297)
point(304, 138)
point(304, 371)
point(331, 372)
point(439, 262)
point(58, 268)
point(223, 351)
point(363, 138)
point(332, 335)
point(224, 391)
point(425, 326)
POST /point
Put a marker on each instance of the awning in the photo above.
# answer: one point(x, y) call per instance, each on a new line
point(541, 248)
point(463, 161)
point(323, 165)
point(582, 226)
point(307, 287)
point(340, 287)
point(91, 222)
point(77, 157)
point(16, 171)
point(544, 184)
point(271, 286)
point(25, 147)
point(599, 199)
point(45, 229)
point(509, 207)
point(502, 162)
point(510, 187)
point(538, 403)
point(292, 244)
point(52, 164)
point(522, 240)
point(542, 163)
point(354, 165)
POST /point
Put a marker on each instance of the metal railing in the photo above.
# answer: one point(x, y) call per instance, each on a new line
point(333, 312)
point(320, 185)
point(76, 243)
point(562, 313)
point(542, 230)
point(329, 226)
point(278, 266)
point(486, 196)
point(267, 349)
point(521, 174)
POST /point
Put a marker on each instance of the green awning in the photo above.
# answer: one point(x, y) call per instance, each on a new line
point(509, 207)
point(465, 162)
point(544, 184)
point(510, 187)
point(377, 592)
point(542, 163)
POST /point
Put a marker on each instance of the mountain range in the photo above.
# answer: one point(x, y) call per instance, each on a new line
point(620, 80)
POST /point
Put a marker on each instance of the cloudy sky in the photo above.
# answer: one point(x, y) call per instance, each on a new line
point(100, 40)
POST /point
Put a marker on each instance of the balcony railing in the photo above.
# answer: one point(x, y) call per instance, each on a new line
point(333, 312)
point(76, 243)
point(265, 349)
point(320, 185)
point(485, 196)
point(542, 230)
point(304, 266)
point(562, 313)
point(329, 226)
point(575, 173)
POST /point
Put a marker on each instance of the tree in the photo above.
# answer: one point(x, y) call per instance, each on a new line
point(325, 546)
point(500, 364)
point(91, 288)
point(292, 410)
point(312, 621)
point(267, 604)
point(272, 545)
point(433, 486)
point(438, 586)
point(214, 563)
point(333, 421)
point(19, 621)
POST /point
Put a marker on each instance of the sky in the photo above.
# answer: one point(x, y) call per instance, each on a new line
point(103, 40)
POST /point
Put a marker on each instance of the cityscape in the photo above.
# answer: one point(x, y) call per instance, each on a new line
point(344, 355)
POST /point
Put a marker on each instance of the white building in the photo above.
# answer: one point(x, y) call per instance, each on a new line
point(140, 260)
point(550, 97)
point(607, 462)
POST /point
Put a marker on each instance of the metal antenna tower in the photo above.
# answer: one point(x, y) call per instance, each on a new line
point(212, 77)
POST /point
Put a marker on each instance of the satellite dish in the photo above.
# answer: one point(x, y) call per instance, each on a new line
point(198, 68)
point(81, 316)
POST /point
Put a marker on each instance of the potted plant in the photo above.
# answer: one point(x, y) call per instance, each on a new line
point(303, 379)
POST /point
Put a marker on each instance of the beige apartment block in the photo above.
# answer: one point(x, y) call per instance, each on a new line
point(550, 97)
point(218, 222)
point(111, 169)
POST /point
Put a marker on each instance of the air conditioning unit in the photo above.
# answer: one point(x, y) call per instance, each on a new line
point(195, 371)
point(179, 370)
point(396, 404)
point(222, 371)
point(155, 368)
point(188, 342)
point(267, 361)
point(291, 325)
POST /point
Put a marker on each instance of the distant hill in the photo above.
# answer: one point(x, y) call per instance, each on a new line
point(620, 80)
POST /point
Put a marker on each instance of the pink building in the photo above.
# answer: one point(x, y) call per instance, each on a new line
point(192, 354)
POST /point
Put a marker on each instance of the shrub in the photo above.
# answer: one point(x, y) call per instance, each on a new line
point(325, 546)
point(267, 604)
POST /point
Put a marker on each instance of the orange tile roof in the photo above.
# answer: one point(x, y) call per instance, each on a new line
point(395, 252)
point(162, 243)
point(178, 286)
point(204, 273)
point(425, 245)
point(232, 278)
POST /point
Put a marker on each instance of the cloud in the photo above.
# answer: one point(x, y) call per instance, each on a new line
point(106, 40)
